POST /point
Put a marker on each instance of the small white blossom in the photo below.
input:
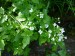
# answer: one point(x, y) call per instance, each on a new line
point(65, 37)
point(50, 31)
point(31, 10)
point(60, 38)
point(57, 26)
point(41, 15)
point(37, 15)
point(40, 26)
point(29, 23)
point(60, 34)
point(59, 22)
point(14, 9)
point(53, 39)
point(46, 25)
point(54, 24)
point(20, 14)
point(49, 35)
point(58, 18)
point(40, 31)
point(62, 30)
point(31, 28)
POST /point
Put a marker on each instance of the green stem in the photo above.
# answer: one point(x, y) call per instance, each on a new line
point(48, 5)
point(0, 52)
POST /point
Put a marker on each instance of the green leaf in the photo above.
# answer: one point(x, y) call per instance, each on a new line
point(34, 36)
point(62, 45)
point(26, 41)
point(53, 54)
point(26, 52)
point(62, 53)
point(2, 44)
point(47, 19)
point(18, 51)
point(43, 38)
point(54, 48)
point(17, 37)
point(35, 1)
point(27, 33)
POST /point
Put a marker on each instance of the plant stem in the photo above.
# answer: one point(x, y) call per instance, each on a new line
point(0, 52)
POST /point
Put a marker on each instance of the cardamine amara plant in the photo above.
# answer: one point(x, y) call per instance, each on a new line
point(24, 21)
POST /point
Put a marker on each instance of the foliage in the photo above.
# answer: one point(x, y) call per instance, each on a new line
point(25, 21)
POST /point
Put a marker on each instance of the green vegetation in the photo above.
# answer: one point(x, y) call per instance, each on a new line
point(24, 21)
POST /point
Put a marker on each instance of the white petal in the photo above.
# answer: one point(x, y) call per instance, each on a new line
point(65, 37)
point(53, 39)
point(62, 30)
point(54, 24)
point(31, 28)
point(31, 10)
point(49, 35)
point(46, 25)
point(50, 31)
point(40, 31)
point(41, 15)
point(59, 22)
point(58, 18)
point(29, 23)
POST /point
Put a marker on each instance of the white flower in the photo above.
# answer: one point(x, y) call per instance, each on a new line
point(59, 22)
point(60, 34)
point(57, 26)
point(29, 23)
point(40, 31)
point(31, 28)
point(49, 35)
point(46, 25)
point(14, 9)
point(58, 18)
point(62, 30)
point(65, 37)
point(54, 24)
point(41, 15)
point(53, 39)
point(37, 15)
point(50, 31)
point(31, 10)
point(60, 38)
point(40, 26)
point(20, 14)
